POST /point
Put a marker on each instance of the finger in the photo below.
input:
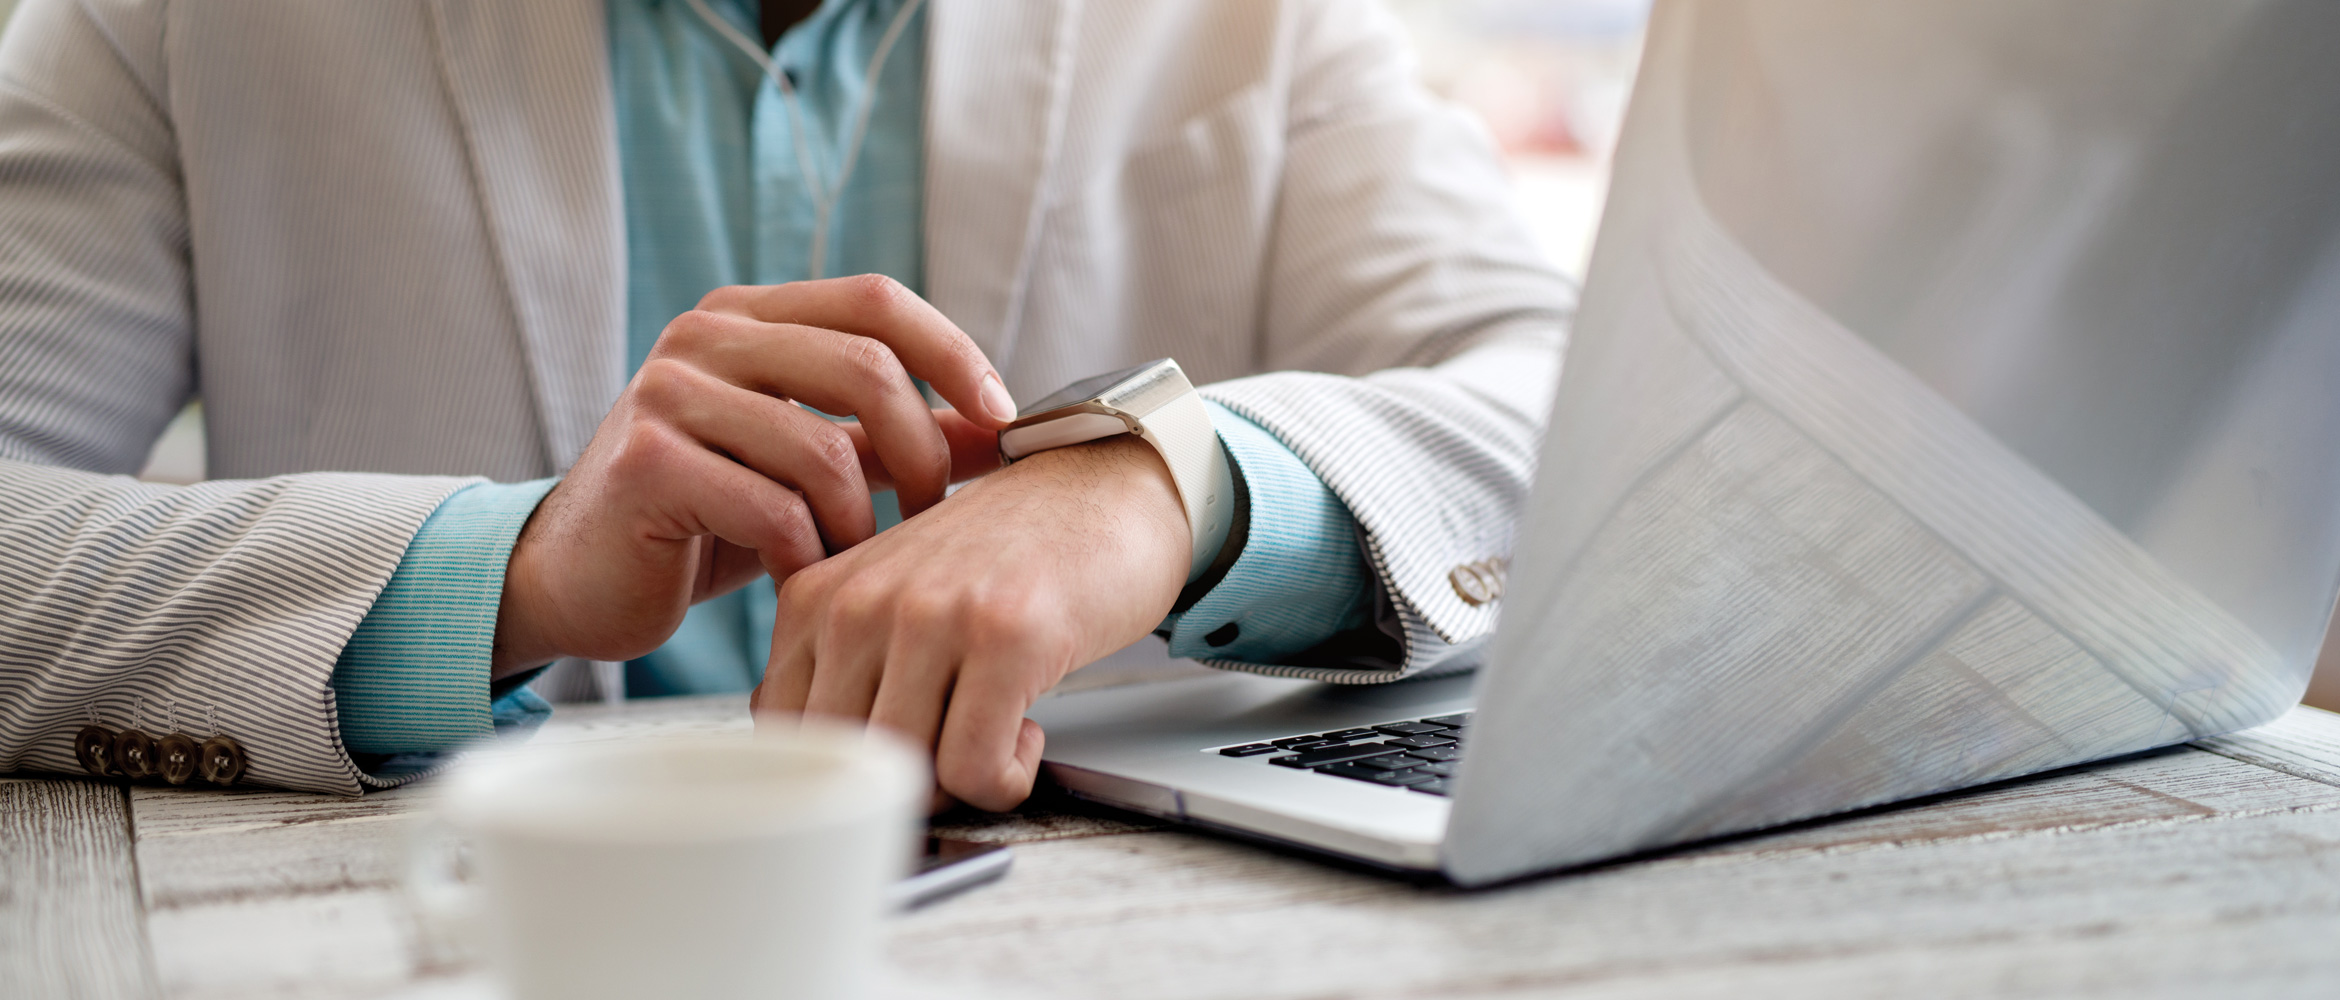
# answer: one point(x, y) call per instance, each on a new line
point(838, 373)
point(816, 457)
point(728, 568)
point(974, 450)
point(974, 447)
point(788, 671)
point(714, 495)
point(787, 681)
point(939, 802)
point(916, 686)
point(849, 656)
point(984, 755)
point(930, 345)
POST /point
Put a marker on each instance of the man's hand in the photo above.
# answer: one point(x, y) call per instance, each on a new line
point(947, 628)
point(706, 473)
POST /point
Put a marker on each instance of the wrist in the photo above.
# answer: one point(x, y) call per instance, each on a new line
point(1156, 403)
point(1124, 481)
point(522, 640)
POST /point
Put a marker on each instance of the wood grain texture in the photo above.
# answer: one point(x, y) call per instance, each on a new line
point(69, 917)
point(353, 942)
point(2304, 742)
point(2183, 872)
point(198, 846)
point(710, 715)
point(2152, 877)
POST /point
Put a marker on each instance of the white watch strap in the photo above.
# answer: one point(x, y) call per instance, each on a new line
point(1181, 430)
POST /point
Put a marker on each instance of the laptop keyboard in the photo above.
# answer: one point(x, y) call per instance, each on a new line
point(1418, 755)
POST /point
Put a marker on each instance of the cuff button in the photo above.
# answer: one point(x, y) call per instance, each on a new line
point(94, 747)
point(134, 753)
point(1478, 583)
point(175, 756)
point(221, 761)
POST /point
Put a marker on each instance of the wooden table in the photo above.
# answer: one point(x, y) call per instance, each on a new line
point(2211, 870)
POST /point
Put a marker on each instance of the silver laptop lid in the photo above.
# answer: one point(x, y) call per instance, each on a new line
point(1956, 396)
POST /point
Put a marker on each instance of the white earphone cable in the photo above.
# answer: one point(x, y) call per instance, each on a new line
point(824, 201)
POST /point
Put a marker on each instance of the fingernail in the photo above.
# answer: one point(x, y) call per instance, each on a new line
point(997, 400)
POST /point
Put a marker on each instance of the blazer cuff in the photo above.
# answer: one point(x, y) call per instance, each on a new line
point(1300, 578)
point(414, 676)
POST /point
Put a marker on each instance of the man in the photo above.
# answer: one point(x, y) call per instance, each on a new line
point(437, 239)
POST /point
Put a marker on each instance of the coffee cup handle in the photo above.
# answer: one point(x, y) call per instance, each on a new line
point(441, 896)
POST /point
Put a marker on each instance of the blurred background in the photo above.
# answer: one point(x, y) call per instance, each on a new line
point(1550, 80)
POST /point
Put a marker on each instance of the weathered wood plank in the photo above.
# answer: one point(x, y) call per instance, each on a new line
point(348, 943)
point(2251, 903)
point(2171, 786)
point(1035, 822)
point(69, 917)
point(1984, 882)
point(2303, 742)
point(203, 846)
point(2183, 872)
point(697, 716)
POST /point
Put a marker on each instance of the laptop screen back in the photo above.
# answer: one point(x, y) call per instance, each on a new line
point(1956, 396)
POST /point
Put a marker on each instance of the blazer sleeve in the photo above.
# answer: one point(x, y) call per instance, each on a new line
point(213, 610)
point(1413, 332)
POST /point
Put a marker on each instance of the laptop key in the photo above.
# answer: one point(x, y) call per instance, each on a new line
point(1350, 771)
point(1249, 750)
point(1407, 777)
point(1393, 762)
point(1289, 742)
point(1448, 752)
point(1422, 741)
point(1335, 755)
point(1408, 728)
point(1443, 769)
point(1434, 786)
point(1345, 735)
point(1455, 721)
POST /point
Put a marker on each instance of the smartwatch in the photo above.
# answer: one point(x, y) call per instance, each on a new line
point(1155, 402)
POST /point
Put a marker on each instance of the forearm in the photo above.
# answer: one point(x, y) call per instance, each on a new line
point(218, 608)
point(1296, 577)
point(415, 676)
point(1435, 466)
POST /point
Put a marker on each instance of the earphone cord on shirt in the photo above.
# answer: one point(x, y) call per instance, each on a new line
point(824, 202)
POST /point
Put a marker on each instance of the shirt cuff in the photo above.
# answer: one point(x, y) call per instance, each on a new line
point(414, 676)
point(1301, 577)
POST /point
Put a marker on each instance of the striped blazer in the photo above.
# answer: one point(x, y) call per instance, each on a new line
point(382, 240)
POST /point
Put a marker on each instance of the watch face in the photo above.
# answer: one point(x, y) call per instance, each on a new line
point(1085, 389)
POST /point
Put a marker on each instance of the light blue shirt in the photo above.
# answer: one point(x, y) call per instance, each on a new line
point(716, 194)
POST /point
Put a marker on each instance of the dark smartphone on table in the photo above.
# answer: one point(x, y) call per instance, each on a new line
point(948, 867)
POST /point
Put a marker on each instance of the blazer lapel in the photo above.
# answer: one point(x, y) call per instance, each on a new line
point(530, 84)
point(998, 81)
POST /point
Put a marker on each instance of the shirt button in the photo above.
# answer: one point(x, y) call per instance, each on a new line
point(94, 747)
point(221, 761)
point(175, 756)
point(134, 753)
point(1223, 635)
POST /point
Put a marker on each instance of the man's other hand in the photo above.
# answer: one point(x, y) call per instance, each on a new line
point(707, 474)
point(947, 628)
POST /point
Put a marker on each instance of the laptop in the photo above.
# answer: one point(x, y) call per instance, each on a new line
point(1953, 399)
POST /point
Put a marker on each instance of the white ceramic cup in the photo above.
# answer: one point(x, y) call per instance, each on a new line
point(703, 868)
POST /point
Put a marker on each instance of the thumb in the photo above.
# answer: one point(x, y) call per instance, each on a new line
point(974, 449)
